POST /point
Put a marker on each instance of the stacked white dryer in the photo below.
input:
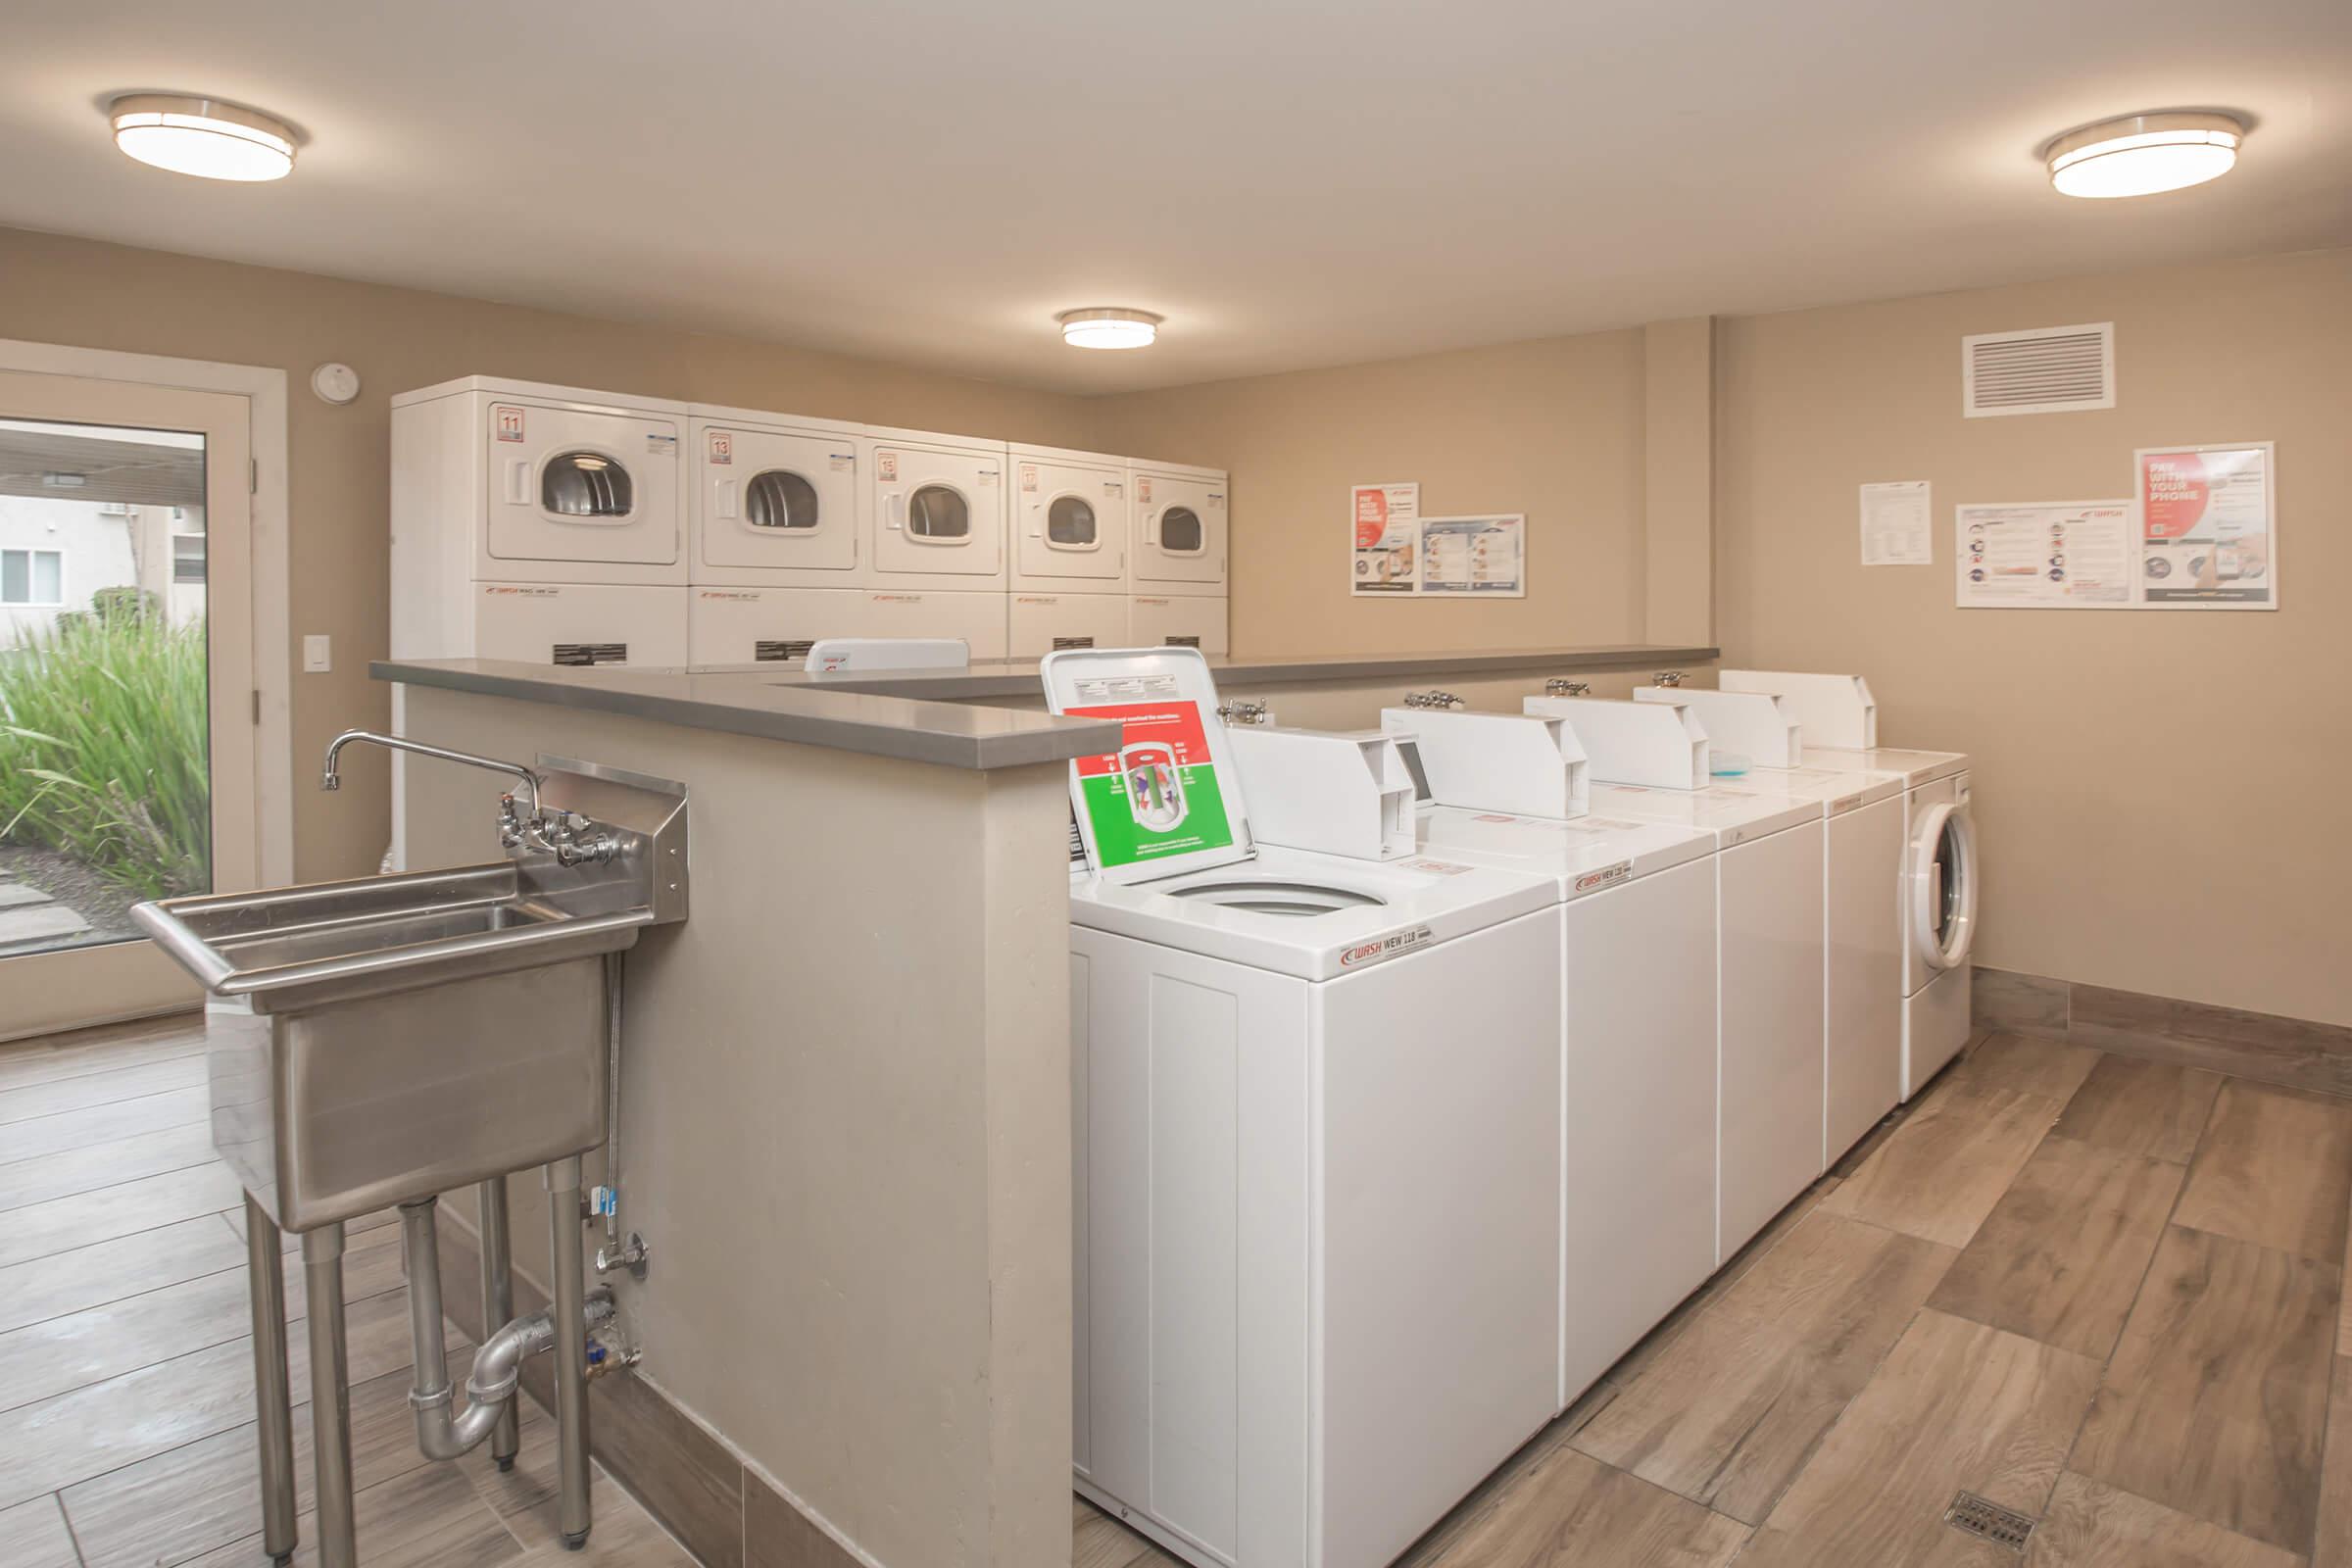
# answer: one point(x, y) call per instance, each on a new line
point(544, 525)
point(1935, 886)
point(1070, 552)
point(1176, 572)
point(778, 538)
point(805, 529)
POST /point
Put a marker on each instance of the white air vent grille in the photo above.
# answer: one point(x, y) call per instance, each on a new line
point(2052, 370)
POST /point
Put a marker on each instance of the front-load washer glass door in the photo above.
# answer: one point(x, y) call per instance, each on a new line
point(1179, 529)
point(581, 485)
point(1070, 521)
point(1942, 891)
point(938, 512)
point(776, 500)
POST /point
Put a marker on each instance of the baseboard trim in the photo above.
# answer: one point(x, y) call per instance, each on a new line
point(719, 1506)
point(2267, 1047)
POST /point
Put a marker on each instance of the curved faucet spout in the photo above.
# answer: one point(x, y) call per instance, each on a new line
point(528, 781)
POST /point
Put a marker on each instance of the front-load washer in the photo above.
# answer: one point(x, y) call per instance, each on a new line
point(1638, 1082)
point(1862, 848)
point(777, 502)
point(1769, 952)
point(1317, 1152)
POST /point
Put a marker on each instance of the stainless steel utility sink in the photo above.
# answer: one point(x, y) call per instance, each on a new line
point(392, 1036)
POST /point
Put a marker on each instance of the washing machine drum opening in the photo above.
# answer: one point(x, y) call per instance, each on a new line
point(1944, 893)
point(780, 499)
point(586, 484)
point(1298, 899)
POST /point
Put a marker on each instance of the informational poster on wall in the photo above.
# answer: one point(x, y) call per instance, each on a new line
point(2045, 555)
point(1158, 794)
point(1898, 524)
point(1475, 556)
point(2208, 527)
point(1385, 522)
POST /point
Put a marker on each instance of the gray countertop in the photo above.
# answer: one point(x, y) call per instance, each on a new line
point(767, 705)
point(941, 716)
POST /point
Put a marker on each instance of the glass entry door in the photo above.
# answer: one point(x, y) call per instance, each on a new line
point(127, 737)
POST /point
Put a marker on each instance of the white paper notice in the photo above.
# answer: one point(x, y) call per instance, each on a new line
point(1475, 556)
point(2208, 536)
point(1898, 527)
point(2045, 555)
point(1384, 524)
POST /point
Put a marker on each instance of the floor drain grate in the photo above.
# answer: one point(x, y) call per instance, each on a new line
point(1988, 1521)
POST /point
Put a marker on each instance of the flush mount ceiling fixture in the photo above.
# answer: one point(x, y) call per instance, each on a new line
point(1104, 328)
point(2140, 154)
point(202, 137)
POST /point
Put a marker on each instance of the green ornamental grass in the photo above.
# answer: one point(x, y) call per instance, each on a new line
point(104, 749)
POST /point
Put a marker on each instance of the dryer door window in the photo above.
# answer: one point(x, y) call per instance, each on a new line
point(781, 499)
point(1180, 532)
point(938, 514)
point(580, 486)
point(792, 508)
point(587, 486)
point(1070, 524)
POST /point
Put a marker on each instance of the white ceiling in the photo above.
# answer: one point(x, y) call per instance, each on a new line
point(1291, 182)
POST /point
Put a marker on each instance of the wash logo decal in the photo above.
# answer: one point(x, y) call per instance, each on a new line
point(1158, 794)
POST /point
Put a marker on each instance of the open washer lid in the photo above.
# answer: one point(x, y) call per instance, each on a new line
point(1169, 800)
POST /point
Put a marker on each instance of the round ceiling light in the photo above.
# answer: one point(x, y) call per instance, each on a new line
point(1101, 328)
point(2141, 155)
point(202, 137)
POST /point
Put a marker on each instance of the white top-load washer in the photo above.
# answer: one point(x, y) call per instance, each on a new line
point(1637, 1014)
point(1317, 1152)
point(1936, 894)
point(1652, 761)
point(1862, 1046)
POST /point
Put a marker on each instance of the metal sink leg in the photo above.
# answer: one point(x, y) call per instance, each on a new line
point(498, 1305)
point(571, 1347)
point(330, 1396)
point(273, 1401)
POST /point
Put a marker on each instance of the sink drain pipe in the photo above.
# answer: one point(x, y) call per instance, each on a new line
point(604, 1199)
point(497, 1362)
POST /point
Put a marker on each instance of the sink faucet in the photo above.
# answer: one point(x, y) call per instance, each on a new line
point(329, 779)
point(568, 836)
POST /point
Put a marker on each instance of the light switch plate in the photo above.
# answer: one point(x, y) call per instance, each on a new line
point(317, 654)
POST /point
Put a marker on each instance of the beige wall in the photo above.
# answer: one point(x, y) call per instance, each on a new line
point(63, 290)
point(1552, 428)
point(2158, 794)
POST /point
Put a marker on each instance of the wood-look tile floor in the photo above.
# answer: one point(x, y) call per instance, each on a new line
point(2103, 1293)
point(126, 1436)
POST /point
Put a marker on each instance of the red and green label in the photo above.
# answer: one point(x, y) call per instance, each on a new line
point(1158, 795)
